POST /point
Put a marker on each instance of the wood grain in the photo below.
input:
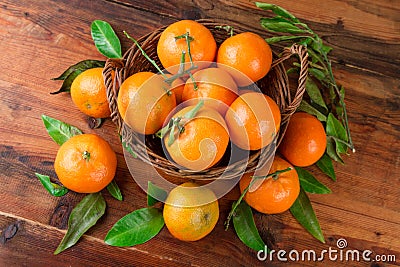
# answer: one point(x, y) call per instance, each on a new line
point(40, 39)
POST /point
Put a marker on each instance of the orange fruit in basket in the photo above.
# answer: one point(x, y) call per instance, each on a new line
point(247, 53)
point(128, 89)
point(88, 93)
point(304, 141)
point(275, 194)
point(190, 212)
point(150, 101)
point(85, 163)
point(253, 120)
point(202, 45)
point(203, 141)
point(215, 86)
point(177, 87)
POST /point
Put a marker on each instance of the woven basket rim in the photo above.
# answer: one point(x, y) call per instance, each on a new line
point(286, 102)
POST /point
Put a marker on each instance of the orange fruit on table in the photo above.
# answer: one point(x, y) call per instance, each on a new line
point(190, 212)
point(253, 120)
point(202, 47)
point(275, 194)
point(88, 93)
point(85, 163)
point(304, 141)
point(247, 53)
point(203, 141)
point(150, 101)
point(215, 86)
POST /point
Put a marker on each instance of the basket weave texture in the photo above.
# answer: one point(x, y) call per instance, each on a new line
point(149, 149)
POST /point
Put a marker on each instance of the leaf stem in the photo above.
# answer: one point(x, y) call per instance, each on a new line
point(343, 142)
point(341, 100)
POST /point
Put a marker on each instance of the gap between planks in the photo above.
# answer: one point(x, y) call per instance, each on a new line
point(87, 237)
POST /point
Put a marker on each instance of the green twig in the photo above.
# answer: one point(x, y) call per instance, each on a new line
point(341, 101)
point(188, 39)
point(274, 176)
point(178, 122)
point(227, 28)
point(145, 55)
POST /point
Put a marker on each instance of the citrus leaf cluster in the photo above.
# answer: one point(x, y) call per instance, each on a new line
point(325, 100)
point(92, 206)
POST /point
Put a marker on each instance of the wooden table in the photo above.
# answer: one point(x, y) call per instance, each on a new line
point(39, 39)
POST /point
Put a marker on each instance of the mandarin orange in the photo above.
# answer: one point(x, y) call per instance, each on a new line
point(275, 194)
point(304, 141)
point(245, 53)
point(85, 163)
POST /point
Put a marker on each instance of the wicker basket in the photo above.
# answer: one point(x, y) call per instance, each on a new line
point(275, 84)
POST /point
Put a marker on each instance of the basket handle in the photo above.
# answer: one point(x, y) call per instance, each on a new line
point(112, 84)
point(301, 51)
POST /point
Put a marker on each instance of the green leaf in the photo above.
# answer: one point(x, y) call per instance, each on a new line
point(331, 150)
point(326, 49)
point(306, 41)
point(135, 228)
point(82, 217)
point(155, 194)
point(310, 184)
point(54, 189)
point(315, 94)
point(276, 39)
point(66, 86)
point(315, 55)
point(292, 70)
point(303, 211)
point(59, 131)
point(72, 72)
point(114, 190)
point(128, 148)
point(306, 107)
point(246, 229)
point(277, 10)
point(105, 39)
point(320, 75)
point(280, 26)
point(326, 166)
point(82, 65)
point(335, 128)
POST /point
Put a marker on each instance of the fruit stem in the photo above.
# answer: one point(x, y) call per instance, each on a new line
point(181, 72)
point(236, 204)
point(274, 175)
point(86, 155)
point(178, 122)
point(227, 28)
point(188, 39)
